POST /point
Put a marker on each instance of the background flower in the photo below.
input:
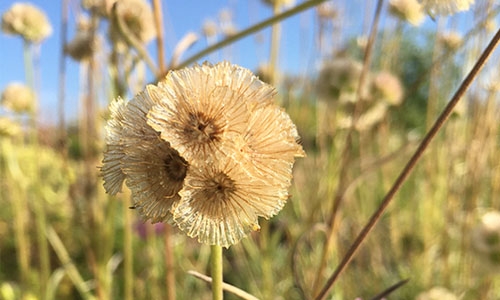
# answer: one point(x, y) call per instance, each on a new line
point(28, 21)
point(18, 98)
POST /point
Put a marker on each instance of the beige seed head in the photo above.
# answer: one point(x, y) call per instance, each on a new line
point(407, 10)
point(18, 98)
point(137, 17)
point(27, 21)
point(388, 88)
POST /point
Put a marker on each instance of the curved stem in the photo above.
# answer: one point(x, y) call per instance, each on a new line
point(134, 42)
point(410, 165)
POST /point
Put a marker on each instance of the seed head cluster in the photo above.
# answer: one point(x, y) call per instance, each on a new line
point(206, 149)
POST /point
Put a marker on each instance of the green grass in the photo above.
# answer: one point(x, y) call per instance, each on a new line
point(96, 248)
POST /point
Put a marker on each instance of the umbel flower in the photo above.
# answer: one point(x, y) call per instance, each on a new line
point(206, 149)
point(28, 21)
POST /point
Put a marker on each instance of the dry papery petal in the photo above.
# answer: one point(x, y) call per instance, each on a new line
point(268, 147)
point(199, 106)
point(111, 170)
point(155, 171)
point(220, 203)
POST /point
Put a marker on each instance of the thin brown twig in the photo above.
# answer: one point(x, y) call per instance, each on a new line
point(438, 124)
point(390, 289)
point(346, 156)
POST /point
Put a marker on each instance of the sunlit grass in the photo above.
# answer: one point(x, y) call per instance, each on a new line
point(52, 197)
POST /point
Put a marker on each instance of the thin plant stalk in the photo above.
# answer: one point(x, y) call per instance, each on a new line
point(253, 29)
point(19, 209)
point(266, 262)
point(160, 49)
point(275, 43)
point(169, 253)
point(346, 151)
point(68, 265)
point(438, 124)
point(62, 80)
point(216, 271)
point(169, 263)
point(128, 264)
point(35, 196)
point(135, 43)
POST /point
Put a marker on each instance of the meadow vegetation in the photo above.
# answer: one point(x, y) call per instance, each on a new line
point(361, 112)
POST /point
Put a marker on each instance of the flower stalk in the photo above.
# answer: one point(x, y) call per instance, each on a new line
point(216, 271)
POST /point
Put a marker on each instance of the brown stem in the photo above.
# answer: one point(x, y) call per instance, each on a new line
point(346, 151)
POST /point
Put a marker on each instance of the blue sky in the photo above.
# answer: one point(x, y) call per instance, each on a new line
point(181, 17)
point(297, 53)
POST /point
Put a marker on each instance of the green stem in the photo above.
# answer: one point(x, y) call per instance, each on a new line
point(231, 39)
point(20, 208)
point(68, 265)
point(216, 270)
point(128, 268)
point(266, 264)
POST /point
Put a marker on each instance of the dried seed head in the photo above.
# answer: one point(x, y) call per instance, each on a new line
point(28, 21)
point(18, 98)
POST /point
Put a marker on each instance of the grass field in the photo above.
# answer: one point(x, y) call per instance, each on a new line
point(361, 114)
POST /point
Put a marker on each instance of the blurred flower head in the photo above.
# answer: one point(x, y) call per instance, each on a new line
point(446, 7)
point(27, 21)
point(18, 98)
point(137, 17)
point(388, 88)
point(82, 45)
point(437, 293)
point(280, 3)
point(226, 23)
point(407, 10)
point(367, 120)
point(206, 149)
point(339, 80)
point(326, 11)
point(451, 40)
point(100, 7)
point(486, 239)
point(9, 128)
point(209, 28)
